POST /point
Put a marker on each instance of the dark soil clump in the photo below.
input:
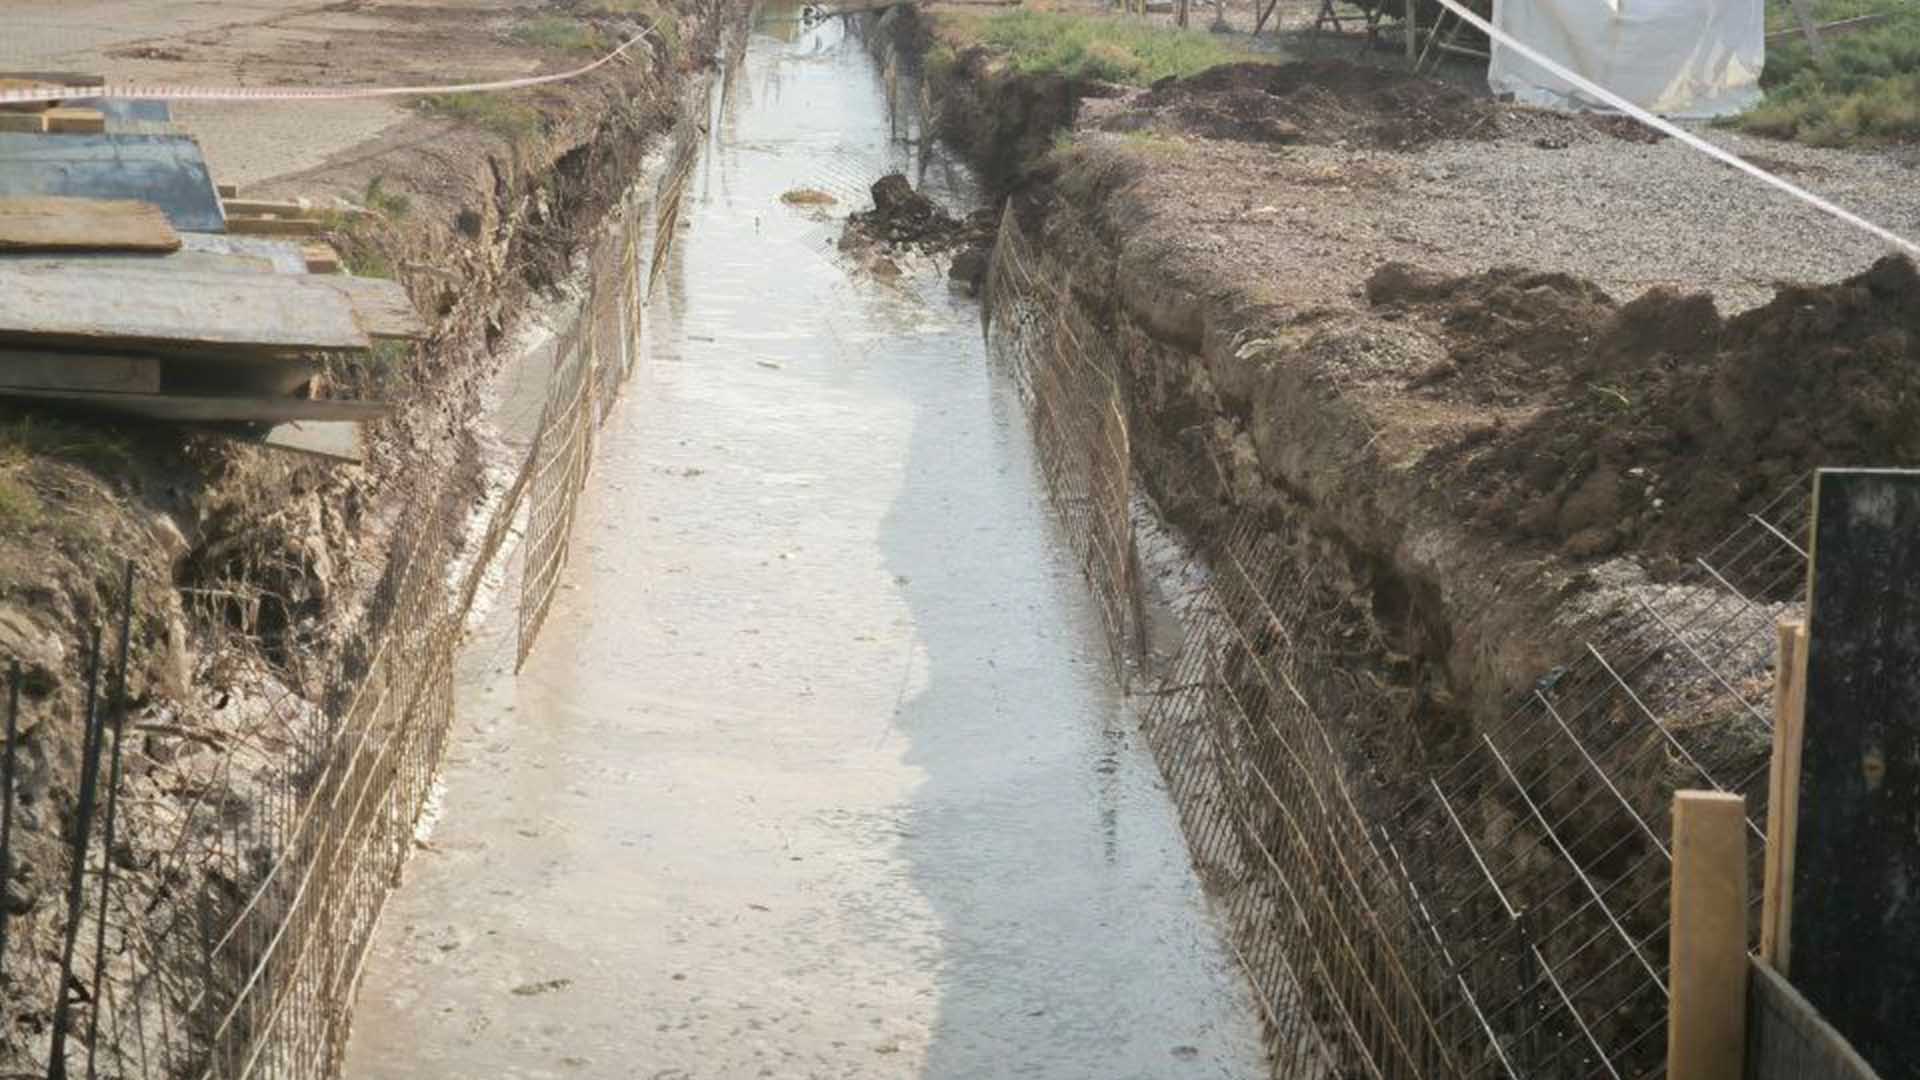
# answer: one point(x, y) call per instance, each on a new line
point(904, 219)
point(1659, 425)
point(1321, 102)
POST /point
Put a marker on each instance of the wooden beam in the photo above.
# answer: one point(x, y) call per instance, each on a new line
point(1707, 940)
point(210, 408)
point(1804, 15)
point(51, 223)
point(321, 259)
point(88, 307)
point(71, 121)
point(333, 440)
point(1783, 793)
point(227, 191)
point(23, 123)
point(262, 208)
point(261, 226)
point(41, 370)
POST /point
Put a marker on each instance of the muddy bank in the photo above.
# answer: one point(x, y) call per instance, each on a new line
point(258, 575)
point(1468, 469)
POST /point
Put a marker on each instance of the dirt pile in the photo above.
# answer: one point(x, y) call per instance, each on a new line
point(1658, 425)
point(1321, 102)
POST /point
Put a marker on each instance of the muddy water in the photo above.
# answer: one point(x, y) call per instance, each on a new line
point(817, 770)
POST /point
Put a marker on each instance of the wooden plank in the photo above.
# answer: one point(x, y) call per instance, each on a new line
point(322, 259)
point(53, 223)
point(257, 226)
point(46, 370)
point(209, 408)
point(23, 123)
point(198, 312)
point(58, 78)
point(166, 170)
point(1707, 941)
point(66, 120)
point(334, 440)
point(227, 191)
point(264, 208)
point(381, 307)
point(1855, 941)
point(1783, 794)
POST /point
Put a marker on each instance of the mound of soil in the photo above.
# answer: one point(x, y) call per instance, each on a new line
point(1321, 102)
point(1658, 424)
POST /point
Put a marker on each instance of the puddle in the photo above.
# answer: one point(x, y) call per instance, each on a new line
point(818, 768)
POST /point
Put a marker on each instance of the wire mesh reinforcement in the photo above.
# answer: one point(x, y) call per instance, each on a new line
point(235, 953)
point(1077, 413)
point(1503, 916)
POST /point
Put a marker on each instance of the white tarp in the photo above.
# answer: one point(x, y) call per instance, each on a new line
point(1686, 58)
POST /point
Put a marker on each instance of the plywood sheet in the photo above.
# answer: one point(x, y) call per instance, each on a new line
point(53, 223)
point(229, 314)
point(166, 170)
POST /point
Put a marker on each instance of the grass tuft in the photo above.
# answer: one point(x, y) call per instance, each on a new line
point(498, 113)
point(1095, 47)
point(558, 32)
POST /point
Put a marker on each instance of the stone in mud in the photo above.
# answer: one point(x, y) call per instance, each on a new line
point(969, 270)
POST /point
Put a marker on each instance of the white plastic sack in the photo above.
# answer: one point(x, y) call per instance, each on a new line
point(1687, 58)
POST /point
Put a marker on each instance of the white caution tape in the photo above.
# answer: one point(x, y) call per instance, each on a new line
point(1601, 93)
point(301, 93)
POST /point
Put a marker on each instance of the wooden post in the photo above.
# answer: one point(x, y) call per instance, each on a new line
point(1413, 31)
point(1854, 935)
point(1707, 943)
point(1783, 794)
point(1814, 45)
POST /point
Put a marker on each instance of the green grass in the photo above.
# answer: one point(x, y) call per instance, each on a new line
point(20, 509)
point(29, 437)
point(558, 32)
point(381, 201)
point(498, 113)
point(1095, 47)
point(1865, 90)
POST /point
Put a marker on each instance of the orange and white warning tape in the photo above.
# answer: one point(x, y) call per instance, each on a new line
point(301, 93)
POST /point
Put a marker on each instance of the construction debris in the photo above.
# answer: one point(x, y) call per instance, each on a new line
point(131, 285)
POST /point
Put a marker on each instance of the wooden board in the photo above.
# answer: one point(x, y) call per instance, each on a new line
point(209, 409)
point(1855, 930)
point(382, 307)
point(1783, 793)
point(261, 208)
point(1707, 943)
point(166, 170)
point(23, 123)
point(66, 120)
point(52, 223)
point(91, 307)
point(57, 78)
point(322, 259)
point(46, 370)
point(334, 440)
point(259, 226)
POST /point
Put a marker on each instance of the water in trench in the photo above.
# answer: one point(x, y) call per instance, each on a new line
point(817, 769)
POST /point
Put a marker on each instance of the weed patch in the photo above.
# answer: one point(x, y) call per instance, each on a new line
point(498, 113)
point(1093, 47)
point(558, 32)
point(1865, 90)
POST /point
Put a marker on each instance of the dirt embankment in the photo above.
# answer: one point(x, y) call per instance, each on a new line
point(1456, 445)
point(254, 570)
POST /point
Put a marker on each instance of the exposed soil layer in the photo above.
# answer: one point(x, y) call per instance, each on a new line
point(1328, 102)
point(1659, 424)
point(254, 570)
